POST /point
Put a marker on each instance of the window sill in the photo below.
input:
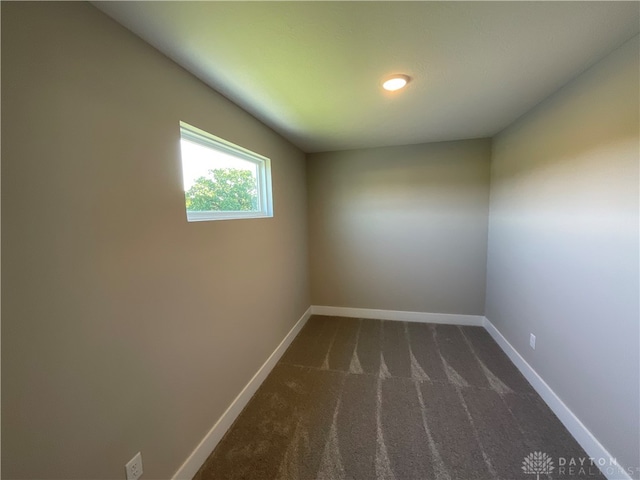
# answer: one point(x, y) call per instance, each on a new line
point(208, 216)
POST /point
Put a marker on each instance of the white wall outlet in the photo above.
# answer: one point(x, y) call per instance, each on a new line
point(134, 467)
point(532, 341)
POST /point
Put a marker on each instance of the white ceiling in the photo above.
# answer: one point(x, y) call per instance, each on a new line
point(312, 70)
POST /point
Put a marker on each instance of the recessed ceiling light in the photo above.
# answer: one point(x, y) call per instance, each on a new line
point(395, 82)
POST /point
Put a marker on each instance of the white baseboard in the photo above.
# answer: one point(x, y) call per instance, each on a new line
point(197, 458)
point(580, 432)
point(584, 437)
point(447, 318)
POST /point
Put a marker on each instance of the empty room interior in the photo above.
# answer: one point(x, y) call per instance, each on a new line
point(320, 240)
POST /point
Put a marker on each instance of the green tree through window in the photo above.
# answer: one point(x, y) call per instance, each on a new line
point(224, 189)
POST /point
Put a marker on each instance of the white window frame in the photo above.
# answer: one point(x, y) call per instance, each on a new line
point(263, 177)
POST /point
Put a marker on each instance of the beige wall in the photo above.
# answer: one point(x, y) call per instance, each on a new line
point(400, 228)
point(124, 327)
point(563, 246)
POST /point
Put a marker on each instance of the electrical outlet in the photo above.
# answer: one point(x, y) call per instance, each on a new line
point(134, 467)
point(532, 341)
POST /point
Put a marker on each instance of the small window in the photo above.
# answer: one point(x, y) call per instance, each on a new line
point(222, 181)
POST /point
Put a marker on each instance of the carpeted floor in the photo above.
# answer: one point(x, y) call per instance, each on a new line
point(370, 399)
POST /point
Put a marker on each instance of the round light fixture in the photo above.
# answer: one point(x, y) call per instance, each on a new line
point(395, 82)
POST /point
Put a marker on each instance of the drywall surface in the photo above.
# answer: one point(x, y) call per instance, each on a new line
point(400, 228)
point(563, 246)
point(125, 328)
